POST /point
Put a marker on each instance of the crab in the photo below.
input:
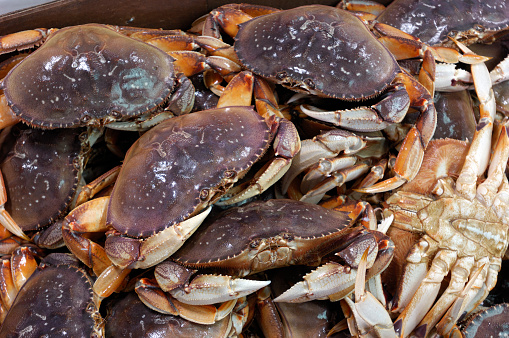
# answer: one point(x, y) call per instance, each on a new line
point(287, 232)
point(466, 21)
point(434, 22)
point(41, 179)
point(322, 51)
point(57, 299)
point(202, 154)
point(92, 75)
point(462, 226)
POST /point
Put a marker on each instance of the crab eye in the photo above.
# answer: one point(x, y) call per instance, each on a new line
point(229, 174)
point(309, 83)
point(255, 243)
point(85, 118)
point(288, 237)
point(204, 193)
point(281, 75)
point(116, 114)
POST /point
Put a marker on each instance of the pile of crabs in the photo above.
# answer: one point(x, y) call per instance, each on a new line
point(317, 171)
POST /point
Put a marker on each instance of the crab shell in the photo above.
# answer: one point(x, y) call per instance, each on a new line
point(182, 165)
point(88, 75)
point(41, 172)
point(433, 21)
point(57, 300)
point(264, 235)
point(293, 48)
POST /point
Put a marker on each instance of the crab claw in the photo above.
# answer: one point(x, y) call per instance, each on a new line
point(211, 289)
point(335, 281)
point(411, 154)
point(331, 278)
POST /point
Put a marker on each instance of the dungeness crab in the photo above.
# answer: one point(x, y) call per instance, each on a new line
point(265, 235)
point(169, 177)
point(463, 225)
point(329, 52)
point(92, 75)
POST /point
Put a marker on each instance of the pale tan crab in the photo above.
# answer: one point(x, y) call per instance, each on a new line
point(463, 224)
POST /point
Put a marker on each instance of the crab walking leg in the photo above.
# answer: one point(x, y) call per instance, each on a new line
point(323, 169)
point(86, 218)
point(487, 190)
point(478, 155)
point(90, 190)
point(425, 295)
point(501, 201)
point(391, 109)
point(368, 316)
point(268, 318)
point(337, 179)
point(411, 153)
point(474, 299)
point(326, 145)
point(286, 145)
point(5, 218)
point(239, 92)
point(459, 277)
point(501, 72)
point(414, 272)
point(24, 39)
point(405, 46)
point(7, 116)
point(448, 324)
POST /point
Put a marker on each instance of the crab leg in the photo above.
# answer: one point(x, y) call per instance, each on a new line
point(337, 179)
point(459, 277)
point(501, 72)
point(5, 218)
point(411, 154)
point(487, 190)
point(324, 168)
point(478, 155)
point(23, 40)
point(7, 116)
point(286, 143)
point(425, 295)
point(160, 301)
point(391, 109)
point(88, 217)
point(333, 280)
point(326, 145)
point(368, 316)
point(405, 46)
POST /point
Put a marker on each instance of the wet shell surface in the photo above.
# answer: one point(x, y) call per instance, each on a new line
point(88, 74)
point(183, 163)
point(320, 49)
